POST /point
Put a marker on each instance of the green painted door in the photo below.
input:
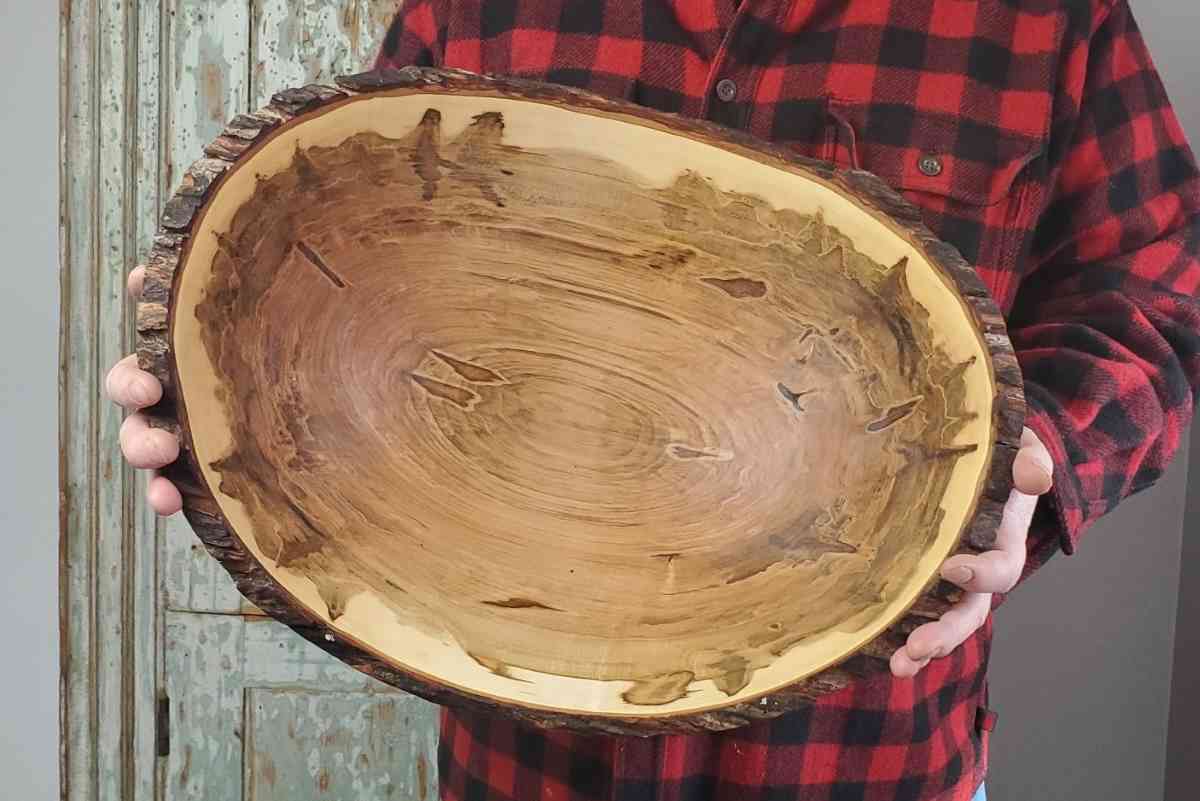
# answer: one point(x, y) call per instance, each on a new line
point(177, 688)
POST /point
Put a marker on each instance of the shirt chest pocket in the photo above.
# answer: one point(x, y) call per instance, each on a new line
point(979, 187)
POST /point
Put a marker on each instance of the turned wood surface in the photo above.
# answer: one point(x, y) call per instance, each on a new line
point(516, 397)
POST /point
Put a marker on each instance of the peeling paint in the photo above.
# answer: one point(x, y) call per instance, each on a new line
point(301, 41)
point(207, 84)
point(314, 728)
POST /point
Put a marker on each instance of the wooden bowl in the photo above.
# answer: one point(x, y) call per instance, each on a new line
point(519, 398)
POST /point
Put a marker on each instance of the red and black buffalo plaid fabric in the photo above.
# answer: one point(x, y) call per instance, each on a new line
point(1037, 138)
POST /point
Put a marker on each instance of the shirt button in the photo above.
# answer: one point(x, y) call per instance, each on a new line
point(726, 90)
point(930, 165)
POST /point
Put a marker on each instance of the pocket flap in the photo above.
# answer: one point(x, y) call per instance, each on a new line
point(960, 159)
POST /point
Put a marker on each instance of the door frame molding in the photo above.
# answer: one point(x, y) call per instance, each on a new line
point(110, 62)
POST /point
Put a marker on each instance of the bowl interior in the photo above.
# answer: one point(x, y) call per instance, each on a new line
point(570, 411)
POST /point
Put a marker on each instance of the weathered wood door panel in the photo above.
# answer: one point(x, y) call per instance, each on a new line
point(259, 715)
point(379, 744)
point(253, 711)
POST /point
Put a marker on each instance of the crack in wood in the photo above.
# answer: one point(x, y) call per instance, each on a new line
point(317, 261)
point(687, 453)
point(893, 415)
point(740, 288)
point(521, 603)
point(793, 397)
point(459, 396)
point(476, 374)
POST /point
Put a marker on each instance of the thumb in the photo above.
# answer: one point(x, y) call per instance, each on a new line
point(1033, 470)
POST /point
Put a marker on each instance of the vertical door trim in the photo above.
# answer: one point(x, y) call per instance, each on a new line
point(110, 189)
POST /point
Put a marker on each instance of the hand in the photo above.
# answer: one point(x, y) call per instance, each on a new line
point(987, 573)
point(144, 447)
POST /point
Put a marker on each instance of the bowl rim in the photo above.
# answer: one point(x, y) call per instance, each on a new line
point(248, 133)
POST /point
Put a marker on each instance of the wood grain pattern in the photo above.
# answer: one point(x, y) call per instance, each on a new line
point(467, 390)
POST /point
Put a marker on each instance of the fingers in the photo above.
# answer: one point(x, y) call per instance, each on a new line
point(1000, 569)
point(163, 496)
point(149, 448)
point(936, 639)
point(1033, 470)
point(997, 570)
point(984, 574)
point(130, 386)
point(145, 447)
point(133, 284)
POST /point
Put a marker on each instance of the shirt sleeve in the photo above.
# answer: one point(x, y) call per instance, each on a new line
point(415, 38)
point(1107, 324)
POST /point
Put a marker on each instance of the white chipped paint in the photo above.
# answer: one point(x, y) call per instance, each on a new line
point(78, 407)
point(110, 197)
point(207, 83)
point(262, 715)
point(305, 41)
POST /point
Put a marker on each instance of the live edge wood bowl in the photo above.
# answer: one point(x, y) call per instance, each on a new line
point(526, 400)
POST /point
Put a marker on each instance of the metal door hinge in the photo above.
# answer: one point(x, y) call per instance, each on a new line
point(162, 727)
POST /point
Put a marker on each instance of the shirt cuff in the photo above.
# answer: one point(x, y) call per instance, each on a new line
point(1063, 510)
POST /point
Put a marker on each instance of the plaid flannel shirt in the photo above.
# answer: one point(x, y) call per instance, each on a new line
point(1037, 138)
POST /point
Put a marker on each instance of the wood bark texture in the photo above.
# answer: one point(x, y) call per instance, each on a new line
point(522, 399)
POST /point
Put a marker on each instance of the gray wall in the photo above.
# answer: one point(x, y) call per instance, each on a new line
point(28, 405)
point(1169, 23)
point(1081, 663)
point(1183, 743)
point(1081, 670)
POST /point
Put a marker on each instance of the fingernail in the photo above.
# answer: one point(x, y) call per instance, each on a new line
point(959, 574)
